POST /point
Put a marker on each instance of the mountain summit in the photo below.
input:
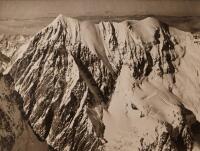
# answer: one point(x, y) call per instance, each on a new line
point(132, 85)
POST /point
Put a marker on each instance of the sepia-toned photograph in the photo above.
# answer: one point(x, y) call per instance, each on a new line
point(99, 75)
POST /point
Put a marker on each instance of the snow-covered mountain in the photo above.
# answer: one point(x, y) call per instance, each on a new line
point(9, 44)
point(125, 86)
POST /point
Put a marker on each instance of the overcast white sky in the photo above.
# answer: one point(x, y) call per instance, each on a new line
point(26, 9)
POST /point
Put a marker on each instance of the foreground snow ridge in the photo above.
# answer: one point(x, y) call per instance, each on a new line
point(125, 86)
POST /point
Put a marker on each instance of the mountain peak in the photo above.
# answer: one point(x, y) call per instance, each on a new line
point(59, 19)
point(152, 20)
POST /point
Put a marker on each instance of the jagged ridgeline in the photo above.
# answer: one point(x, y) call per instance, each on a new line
point(70, 73)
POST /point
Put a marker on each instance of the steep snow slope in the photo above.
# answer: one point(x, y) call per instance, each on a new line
point(132, 85)
point(92, 39)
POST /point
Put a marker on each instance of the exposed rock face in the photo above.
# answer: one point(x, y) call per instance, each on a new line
point(15, 134)
point(69, 71)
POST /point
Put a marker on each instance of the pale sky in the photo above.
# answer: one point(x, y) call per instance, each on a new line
point(26, 9)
